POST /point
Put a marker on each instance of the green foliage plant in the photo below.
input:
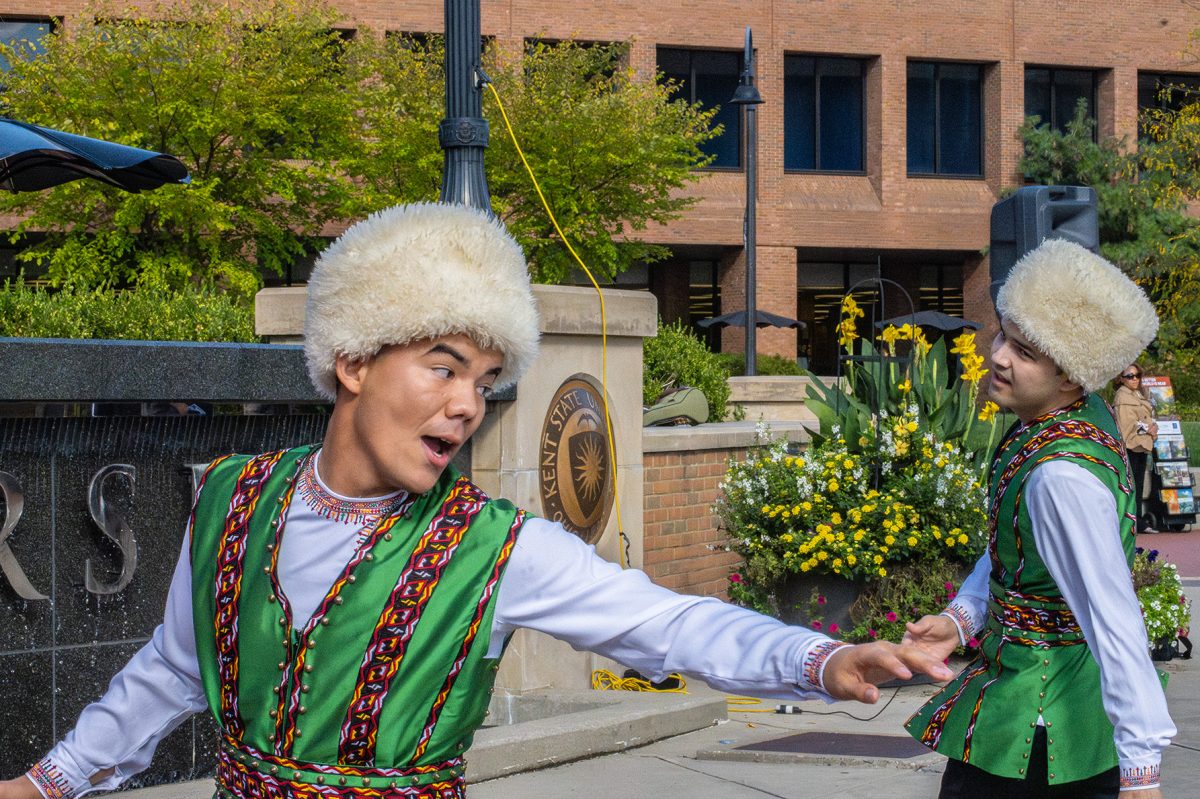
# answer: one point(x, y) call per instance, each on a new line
point(1165, 608)
point(149, 314)
point(675, 357)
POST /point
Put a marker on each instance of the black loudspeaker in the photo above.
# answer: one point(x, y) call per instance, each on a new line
point(1035, 213)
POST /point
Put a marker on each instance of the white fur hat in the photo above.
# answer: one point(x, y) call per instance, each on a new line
point(1079, 309)
point(415, 272)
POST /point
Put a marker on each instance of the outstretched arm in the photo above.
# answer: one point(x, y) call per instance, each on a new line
point(940, 634)
point(556, 584)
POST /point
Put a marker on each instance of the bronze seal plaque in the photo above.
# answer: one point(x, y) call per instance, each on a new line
point(574, 465)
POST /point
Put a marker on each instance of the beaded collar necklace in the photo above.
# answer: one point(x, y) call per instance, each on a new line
point(347, 510)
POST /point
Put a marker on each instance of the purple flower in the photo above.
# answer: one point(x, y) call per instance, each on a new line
point(1152, 556)
point(833, 628)
point(973, 643)
point(820, 599)
point(891, 616)
point(816, 625)
point(1138, 551)
point(872, 634)
point(735, 578)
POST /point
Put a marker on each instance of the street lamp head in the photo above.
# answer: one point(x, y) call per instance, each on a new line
point(746, 92)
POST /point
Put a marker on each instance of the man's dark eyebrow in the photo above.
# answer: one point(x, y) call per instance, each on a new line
point(458, 356)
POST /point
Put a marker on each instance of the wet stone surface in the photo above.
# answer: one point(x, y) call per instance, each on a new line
point(59, 654)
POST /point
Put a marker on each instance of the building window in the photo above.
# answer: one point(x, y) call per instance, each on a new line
point(945, 119)
point(1052, 95)
point(823, 119)
point(1159, 91)
point(709, 77)
point(25, 36)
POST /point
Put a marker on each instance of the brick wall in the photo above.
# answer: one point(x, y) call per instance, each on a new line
point(683, 550)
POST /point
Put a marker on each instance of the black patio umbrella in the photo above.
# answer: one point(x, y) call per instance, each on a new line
point(34, 158)
point(935, 319)
point(761, 319)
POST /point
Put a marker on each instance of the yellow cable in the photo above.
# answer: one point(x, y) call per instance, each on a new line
point(612, 449)
point(605, 680)
point(735, 704)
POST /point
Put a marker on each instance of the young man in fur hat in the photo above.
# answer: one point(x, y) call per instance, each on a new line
point(341, 609)
point(1063, 699)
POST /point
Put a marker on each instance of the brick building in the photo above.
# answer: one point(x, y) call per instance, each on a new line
point(887, 132)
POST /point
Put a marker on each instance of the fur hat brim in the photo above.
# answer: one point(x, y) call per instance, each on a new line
point(415, 272)
point(1079, 309)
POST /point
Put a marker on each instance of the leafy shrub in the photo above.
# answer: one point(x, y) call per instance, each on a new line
point(734, 364)
point(675, 357)
point(141, 314)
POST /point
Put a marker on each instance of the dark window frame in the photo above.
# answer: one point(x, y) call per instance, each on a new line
point(1093, 100)
point(862, 63)
point(54, 23)
point(689, 86)
point(938, 172)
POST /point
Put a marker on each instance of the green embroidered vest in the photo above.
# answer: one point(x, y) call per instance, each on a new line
point(1033, 660)
point(388, 682)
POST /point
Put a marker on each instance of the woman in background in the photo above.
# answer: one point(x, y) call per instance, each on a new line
point(1135, 418)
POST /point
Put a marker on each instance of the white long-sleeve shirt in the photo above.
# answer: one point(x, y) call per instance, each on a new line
point(553, 583)
point(1075, 526)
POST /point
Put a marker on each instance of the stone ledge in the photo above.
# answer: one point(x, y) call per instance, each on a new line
point(85, 370)
point(718, 435)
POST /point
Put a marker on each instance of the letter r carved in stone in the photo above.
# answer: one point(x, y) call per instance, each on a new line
point(14, 506)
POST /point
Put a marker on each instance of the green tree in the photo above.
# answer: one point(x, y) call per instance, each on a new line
point(250, 98)
point(286, 127)
point(610, 151)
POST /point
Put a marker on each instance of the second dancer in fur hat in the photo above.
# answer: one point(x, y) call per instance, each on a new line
point(1063, 699)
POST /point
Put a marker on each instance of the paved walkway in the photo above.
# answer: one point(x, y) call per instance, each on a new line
point(1182, 549)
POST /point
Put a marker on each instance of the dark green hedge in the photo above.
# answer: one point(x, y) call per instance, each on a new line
point(139, 314)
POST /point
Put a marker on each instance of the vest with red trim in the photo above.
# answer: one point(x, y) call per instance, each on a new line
point(381, 692)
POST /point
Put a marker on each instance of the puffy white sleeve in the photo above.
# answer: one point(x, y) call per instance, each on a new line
point(152, 695)
point(556, 584)
point(1075, 526)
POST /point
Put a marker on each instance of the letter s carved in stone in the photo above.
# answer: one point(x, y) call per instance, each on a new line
point(114, 525)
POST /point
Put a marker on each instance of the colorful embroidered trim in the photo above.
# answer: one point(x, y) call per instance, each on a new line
point(931, 736)
point(814, 663)
point(1140, 776)
point(340, 509)
point(1026, 619)
point(962, 620)
point(472, 631)
point(399, 618)
point(243, 772)
point(289, 707)
point(230, 565)
point(50, 781)
point(191, 522)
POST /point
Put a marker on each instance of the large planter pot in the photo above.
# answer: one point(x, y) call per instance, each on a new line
point(799, 601)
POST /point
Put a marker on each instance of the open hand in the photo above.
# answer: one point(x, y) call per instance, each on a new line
point(854, 672)
point(937, 635)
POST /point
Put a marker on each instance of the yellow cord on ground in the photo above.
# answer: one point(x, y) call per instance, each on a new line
point(612, 449)
point(745, 704)
point(605, 680)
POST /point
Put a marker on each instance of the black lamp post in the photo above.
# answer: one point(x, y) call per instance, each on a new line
point(463, 133)
point(747, 97)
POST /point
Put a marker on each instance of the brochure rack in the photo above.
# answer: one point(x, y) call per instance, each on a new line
point(1172, 501)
